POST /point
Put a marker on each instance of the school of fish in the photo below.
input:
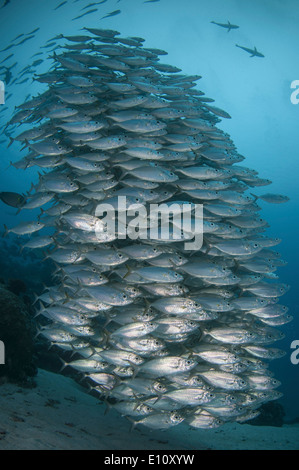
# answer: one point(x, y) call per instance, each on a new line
point(164, 334)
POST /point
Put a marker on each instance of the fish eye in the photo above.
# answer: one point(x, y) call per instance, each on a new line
point(124, 296)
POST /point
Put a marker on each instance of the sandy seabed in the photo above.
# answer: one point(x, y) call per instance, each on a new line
point(58, 414)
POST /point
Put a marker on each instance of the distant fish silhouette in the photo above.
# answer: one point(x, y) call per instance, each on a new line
point(5, 3)
point(254, 52)
point(6, 58)
point(112, 13)
point(12, 199)
point(60, 5)
point(227, 25)
point(33, 32)
point(8, 76)
point(93, 10)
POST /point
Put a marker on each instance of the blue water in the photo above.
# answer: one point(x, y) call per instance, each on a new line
point(255, 91)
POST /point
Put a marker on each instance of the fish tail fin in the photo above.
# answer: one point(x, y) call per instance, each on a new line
point(67, 299)
point(64, 365)
point(10, 164)
point(108, 407)
point(36, 298)
point(129, 270)
point(108, 319)
point(136, 370)
point(6, 231)
point(89, 388)
point(57, 268)
point(132, 421)
point(41, 309)
point(11, 141)
point(208, 248)
point(255, 197)
point(39, 330)
point(82, 378)
point(237, 264)
point(46, 255)
point(73, 351)
point(125, 173)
